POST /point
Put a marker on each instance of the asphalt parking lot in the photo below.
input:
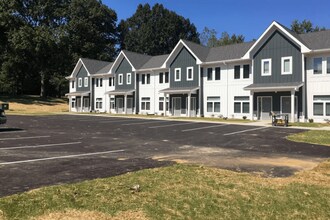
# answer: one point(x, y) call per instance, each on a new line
point(46, 150)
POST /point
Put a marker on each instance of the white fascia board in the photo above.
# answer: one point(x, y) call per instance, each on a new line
point(273, 25)
point(198, 60)
point(115, 62)
point(226, 61)
point(101, 74)
point(151, 70)
point(318, 51)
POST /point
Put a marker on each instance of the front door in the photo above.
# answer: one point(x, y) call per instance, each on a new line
point(176, 106)
point(193, 107)
point(78, 104)
point(264, 107)
point(86, 104)
point(129, 106)
point(120, 105)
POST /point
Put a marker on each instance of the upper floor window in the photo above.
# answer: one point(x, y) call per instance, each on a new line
point(286, 65)
point(129, 78)
point(237, 72)
point(161, 78)
point(72, 84)
point(101, 82)
point(217, 73)
point(80, 82)
point(111, 81)
point(177, 72)
point(318, 65)
point(120, 79)
point(190, 73)
point(166, 77)
point(209, 74)
point(328, 65)
point(246, 71)
point(97, 82)
point(266, 67)
point(148, 78)
point(86, 82)
point(143, 79)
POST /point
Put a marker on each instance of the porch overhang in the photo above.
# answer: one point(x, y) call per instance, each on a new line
point(120, 92)
point(274, 87)
point(183, 90)
point(84, 93)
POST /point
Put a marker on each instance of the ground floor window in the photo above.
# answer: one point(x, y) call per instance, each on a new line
point(241, 104)
point(321, 105)
point(86, 102)
point(161, 103)
point(73, 103)
point(145, 103)
point(213, 104)
point(99, 103)
point(112, 103)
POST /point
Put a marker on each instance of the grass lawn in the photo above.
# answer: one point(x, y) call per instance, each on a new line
point(180, 192)
point(309, 125)
point(34, 105)
point(321, 137)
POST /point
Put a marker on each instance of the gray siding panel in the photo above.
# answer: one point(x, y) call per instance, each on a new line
point(276, 47)
point(125, 68)
point(82, 73)
point(183, 60)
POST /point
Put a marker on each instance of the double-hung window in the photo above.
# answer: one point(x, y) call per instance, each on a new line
point(166, 77)
point(317, 65)
point(321, 105)
point(86, 82)
point(241, 104)
point(111, 81)
point(73, 103)
point(148, 78)
point(209, 74)
point(177, 74)
point(97, 82)
point(112, 103)
point(237, 72)
point(161, 78)
point(286, 65)
point(266, 67)
point(213, 104)
point(328, 65)
point(246, 71)
point(72, 84)
point(217, 73)
point(161, 104)
point(145, 103)
point(120, 79)
point(190, 73)
point(129, 78)
point(80, 82)
point(98, 103)
point(143, 79)
point(101, 82)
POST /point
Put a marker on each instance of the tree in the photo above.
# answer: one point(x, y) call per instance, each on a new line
point(155, 30)
point(209, 38)
point(305, 26)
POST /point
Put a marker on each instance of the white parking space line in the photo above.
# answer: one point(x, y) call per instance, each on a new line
point(127, 120)
point(148, 122)
point(61, 157)
point(22, 138)
point(6, 132)
point(238, 132)
point(39, 146)
point(201, 128)
point(162, 126)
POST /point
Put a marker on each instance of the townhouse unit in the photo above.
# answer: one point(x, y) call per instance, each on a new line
point(280, 72)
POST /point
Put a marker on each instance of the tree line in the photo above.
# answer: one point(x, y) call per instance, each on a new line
point(41, 40)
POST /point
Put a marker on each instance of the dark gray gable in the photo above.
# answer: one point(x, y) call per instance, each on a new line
point(82, 73)
point(124, 68)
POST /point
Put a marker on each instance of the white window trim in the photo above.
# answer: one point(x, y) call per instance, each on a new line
point(270, 67)
point(128, 82)
point(175, 79)
point(80, 82)
point(282, 65)
point(192, 73)
point(120, 76)
point(86, 82)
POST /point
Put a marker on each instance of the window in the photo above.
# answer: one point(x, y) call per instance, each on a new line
point(246, 71)
point(97, 82)
point(209, 74)
point(86, 82)
point(217, 73)
point(72, 84)
point(328, 65)
point(161, 103)
point(190, 73)
point(286, 65)
point(98, 103)
point(112, 103)
point(321, 105)
point(266, 67)
point(129, 78)
point(161, 78)
point(143, 80)
point(145, 103)
point(237, 72)
point(73, 103)
point(120, 79)
point(148, 78)
point(213, 104)
point(241, 104)
point(80, 82)
point(318, 65)
point(111, 81)
point(177, 72)
point(101, 82)
point(166, 77)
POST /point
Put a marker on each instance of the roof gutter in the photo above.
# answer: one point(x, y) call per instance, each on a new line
point(150, 69)
point(226, 61)
point(318, 51)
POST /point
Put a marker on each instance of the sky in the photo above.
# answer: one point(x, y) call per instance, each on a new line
point(247, 17)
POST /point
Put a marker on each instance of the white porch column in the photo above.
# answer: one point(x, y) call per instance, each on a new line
point(164, 104)
point(251, 104)
point(82, 104)
point(292, 105)
point(125, 104)
point(189, 103)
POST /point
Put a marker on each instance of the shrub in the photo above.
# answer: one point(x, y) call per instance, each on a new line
point(310, 120)
point(244, 117)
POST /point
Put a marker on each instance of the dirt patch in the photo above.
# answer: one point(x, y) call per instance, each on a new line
point(91, 215)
